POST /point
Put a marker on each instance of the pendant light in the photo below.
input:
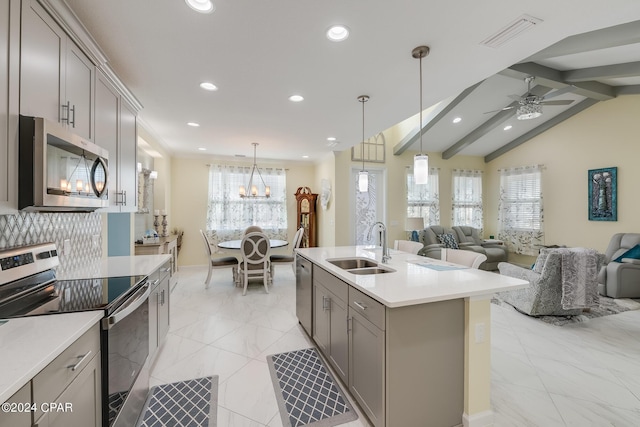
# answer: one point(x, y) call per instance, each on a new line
point(363, 175)
point(420, 161)
point(252, 188)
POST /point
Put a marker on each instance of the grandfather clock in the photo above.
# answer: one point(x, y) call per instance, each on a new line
point(306, 203)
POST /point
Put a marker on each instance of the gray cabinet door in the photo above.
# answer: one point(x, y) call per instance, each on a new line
point(79, 82)
point(83, 396)
point(339, 338)
point(154, 303)
point(42, 53)
point(107, 112)
point(127, 171)
point(18, 418)
point(366, 366)
point(321, 317)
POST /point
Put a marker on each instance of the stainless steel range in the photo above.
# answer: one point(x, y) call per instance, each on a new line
point(28, 287)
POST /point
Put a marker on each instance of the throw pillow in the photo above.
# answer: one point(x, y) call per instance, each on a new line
point(448, 240)
point(634, 253)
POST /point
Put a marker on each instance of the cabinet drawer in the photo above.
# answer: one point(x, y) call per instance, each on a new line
point(52, 380)
point(331, 282)
point(371, 309)
point(160, 273)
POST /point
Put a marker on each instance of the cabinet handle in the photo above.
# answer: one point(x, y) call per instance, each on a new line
point(166, 270)
point(73, 122)
point(349, 324)
point(162, 297)
point(124, 194)
point(360, 305)
point(82, 358)
point(65, 107)
point(326, 303)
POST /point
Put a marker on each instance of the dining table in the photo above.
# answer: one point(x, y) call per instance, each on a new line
point(235, 244)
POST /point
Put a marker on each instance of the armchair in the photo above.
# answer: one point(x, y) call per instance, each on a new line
point(469, 239)
point(620, 279)
point(544, 296)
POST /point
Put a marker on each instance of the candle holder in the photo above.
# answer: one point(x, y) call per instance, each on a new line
point(164, 226)
point(156, 224)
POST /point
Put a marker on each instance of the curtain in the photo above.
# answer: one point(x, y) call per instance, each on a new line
point(520, 209)
point(228, 215)
point(466, 198)
point(423, 200)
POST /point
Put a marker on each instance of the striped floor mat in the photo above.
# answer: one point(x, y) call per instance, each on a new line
point(192, 403)
point(307, 393)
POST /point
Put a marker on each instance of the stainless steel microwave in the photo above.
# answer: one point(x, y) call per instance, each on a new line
point(59, 171)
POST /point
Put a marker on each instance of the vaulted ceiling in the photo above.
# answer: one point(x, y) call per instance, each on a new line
point(259, 53)
point(585, 69)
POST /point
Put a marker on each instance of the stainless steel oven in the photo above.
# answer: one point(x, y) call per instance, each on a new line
point(28, 287)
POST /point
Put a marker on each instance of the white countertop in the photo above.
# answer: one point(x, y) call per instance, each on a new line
point(29, 344)
point(411, 283)
point(117, 266)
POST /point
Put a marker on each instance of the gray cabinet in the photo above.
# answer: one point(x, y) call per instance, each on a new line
point(115, 130)
point(72, 380)
point(18, 418)
point(56, 77)
point(9, 77)
point(159, 319)
point(330, 320)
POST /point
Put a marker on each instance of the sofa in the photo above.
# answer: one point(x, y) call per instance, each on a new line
point(429, 238)
point(469, 239)
point(544, 295)
point(620, 276)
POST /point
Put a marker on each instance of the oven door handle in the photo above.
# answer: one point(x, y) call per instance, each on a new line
point(121, 313)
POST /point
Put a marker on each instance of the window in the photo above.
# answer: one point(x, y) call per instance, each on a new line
point(423, 200)
point(466, 198)
point(520, 210)
point(228, 214)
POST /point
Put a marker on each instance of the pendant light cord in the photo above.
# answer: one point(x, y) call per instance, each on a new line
point(420, 124)
point(363, 99)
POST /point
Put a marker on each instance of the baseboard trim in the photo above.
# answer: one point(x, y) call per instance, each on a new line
point(481, 419)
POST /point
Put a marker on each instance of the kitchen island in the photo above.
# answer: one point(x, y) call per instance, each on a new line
point(412, 342)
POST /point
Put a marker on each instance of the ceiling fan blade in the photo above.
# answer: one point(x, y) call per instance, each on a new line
point(557, 102)
point(515, 97)
point(566, 89)
point(496, 111)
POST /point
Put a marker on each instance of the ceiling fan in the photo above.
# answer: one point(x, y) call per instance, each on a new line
point(530, 105)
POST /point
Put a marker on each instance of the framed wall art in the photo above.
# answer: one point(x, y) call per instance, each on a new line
point(603, 197)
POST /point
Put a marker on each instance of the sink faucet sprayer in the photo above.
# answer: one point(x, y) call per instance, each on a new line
point(385, 249)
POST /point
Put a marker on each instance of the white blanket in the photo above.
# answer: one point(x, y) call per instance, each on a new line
point(579, 277)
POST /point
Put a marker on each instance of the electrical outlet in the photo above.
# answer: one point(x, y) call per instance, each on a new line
point(67, 247)
point(95, 240)
point(480, 332)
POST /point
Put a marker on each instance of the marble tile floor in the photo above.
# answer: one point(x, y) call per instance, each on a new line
point(542, 375)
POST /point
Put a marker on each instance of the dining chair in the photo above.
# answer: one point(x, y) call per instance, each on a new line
point(252, 229)
point(223, 262)
point(462, 257)
point(255, 251)
point(279, 259)
point(407, 246)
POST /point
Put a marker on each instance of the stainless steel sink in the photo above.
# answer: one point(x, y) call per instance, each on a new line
point(371, 270)
point(351, 263)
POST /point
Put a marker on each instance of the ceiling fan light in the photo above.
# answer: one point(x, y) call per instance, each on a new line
point(529, 111)
point(421, 169)
point(363, 181)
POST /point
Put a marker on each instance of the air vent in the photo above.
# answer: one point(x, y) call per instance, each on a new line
point(511, 31)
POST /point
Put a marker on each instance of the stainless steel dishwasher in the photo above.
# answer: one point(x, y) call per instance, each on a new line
point(304, 292)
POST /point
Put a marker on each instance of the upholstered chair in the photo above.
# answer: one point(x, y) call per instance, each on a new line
point(469, 239)
point(620, 276)
point(429, 238)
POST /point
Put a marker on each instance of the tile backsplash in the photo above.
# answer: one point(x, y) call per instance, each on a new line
point(83, 230)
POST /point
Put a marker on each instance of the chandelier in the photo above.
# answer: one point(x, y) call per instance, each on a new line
point(529, 111)
point(420, 161)
point(252, 187)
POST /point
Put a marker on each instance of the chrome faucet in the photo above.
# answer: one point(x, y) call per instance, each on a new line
point(385, 249)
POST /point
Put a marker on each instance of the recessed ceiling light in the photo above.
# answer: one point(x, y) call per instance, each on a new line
point(457, 120)
point(296, 98)
point(507, 127)
point(305, 157)
point(202, 6)
point(208, 86)
point(331, 138)
point(193, 124)
point(202, 149)
point(338, 33)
